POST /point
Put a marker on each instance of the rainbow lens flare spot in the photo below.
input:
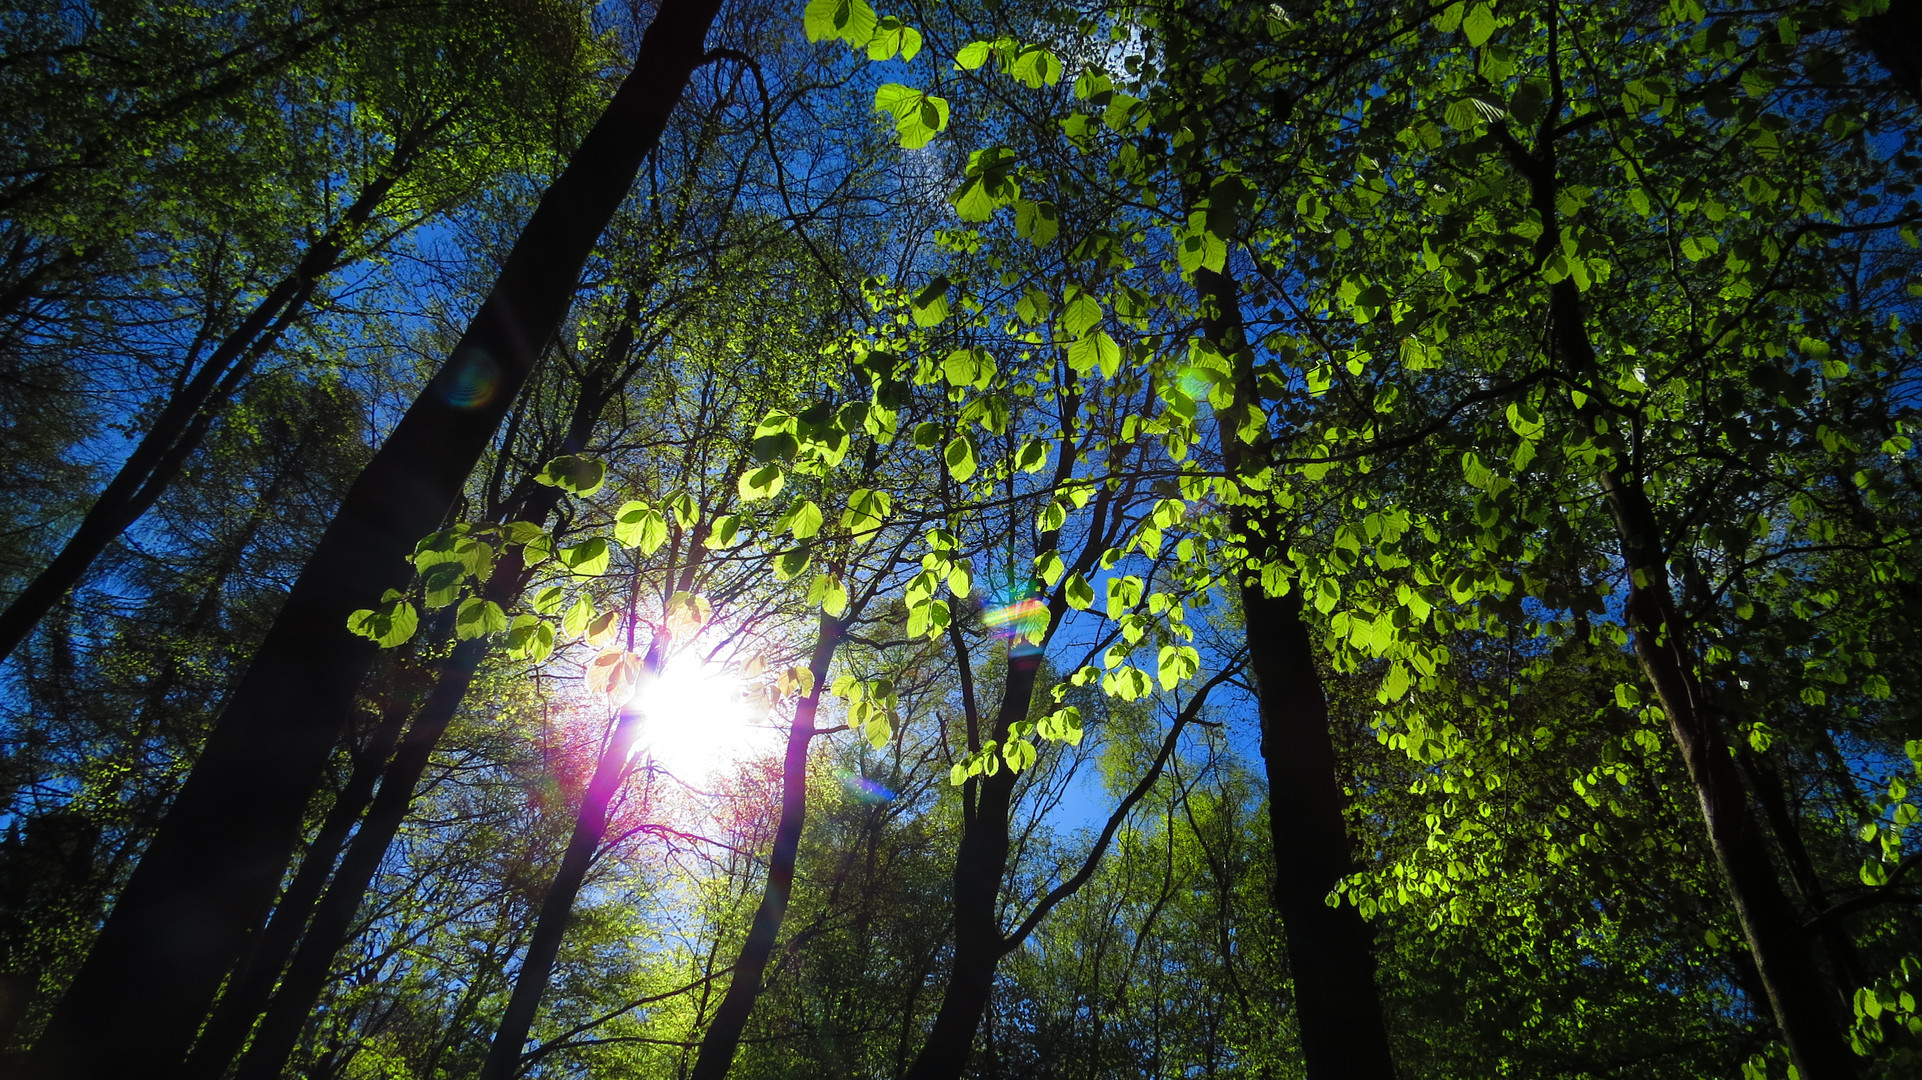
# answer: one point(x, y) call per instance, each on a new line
point(469, 380)
point(862, 789)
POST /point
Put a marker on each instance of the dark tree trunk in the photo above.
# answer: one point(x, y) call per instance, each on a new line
point(723, 1035)
point(252, 982)
point(557, 907)
point(332, 916)
point(219, 855)
point(978, 869)
point(1894, 38)
point(182, 424)
point(1330, 949)
point(1800, 996)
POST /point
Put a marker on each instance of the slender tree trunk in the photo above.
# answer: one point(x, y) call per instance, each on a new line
point(1799, 993)
point(1330, 949)
point(557, 907)
point(723, 1035)
point(332, 916)
point(1766, 783)
point(184, 421)
point(218, 857)
point(1800, 996)
point(253, 981)
point(978, 868)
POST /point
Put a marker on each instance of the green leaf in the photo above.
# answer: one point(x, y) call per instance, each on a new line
point(802, 520)
point(1082, 314)
point(790, 564)
point(479, 618)
point(1177, 664)
point(388, 627)
point(1097, 350)
point(852, 21)
point(867, 511)
point(918, 116)
point(573, 473)
point(763, 483)
point(969, 367)
point(1049, 568)
point(829, 593)
point(1525, 421)
point(1479, 25)
point(574, 623)
point(1036, 67)
point(1033, 456)
point(725, 531)
point(639, 525)
point(971, 56)
point(522, 532)
point(894, 37)
point(930, 306)
point(548, 600)
point(1198, 248)
point(959, 457)
point(989, 186)
point(1079, 594)
point(1037, 221)
point(588, 559)
point(530, 638)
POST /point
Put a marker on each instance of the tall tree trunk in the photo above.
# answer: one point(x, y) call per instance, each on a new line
point(253, 980)
point(557, 907)
point(219, 855)
point(1800, 996)
point(183, 422)
point(982, 858)
point(1330, 949)
point(723, 1035)
point(328, 921)
point(978, 868)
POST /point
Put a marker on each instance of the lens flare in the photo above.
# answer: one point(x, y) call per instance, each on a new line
point(1025, 619)
point(469, 380)
point(862, 789)
point(1195, 383)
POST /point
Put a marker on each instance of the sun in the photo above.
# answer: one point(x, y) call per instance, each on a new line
point(696, 719)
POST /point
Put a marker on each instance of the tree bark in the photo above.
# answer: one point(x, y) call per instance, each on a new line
point(332, 917)
point(557, 907)
point(978, 868)
point(181, 425)
point(219, 855)
point(1800, 996)
point(1330, 949)
point(253, 981)
point(723, 1035)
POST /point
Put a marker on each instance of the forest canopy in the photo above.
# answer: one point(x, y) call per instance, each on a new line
point(682, 538)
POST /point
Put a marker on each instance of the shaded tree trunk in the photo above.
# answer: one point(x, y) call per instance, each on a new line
point(1330, 949)
point(557, 907)
point(219, 855)
point(1800, 996)
point(723, 1035)
point(253, 981)
point(979, 865)
point(328, 921)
